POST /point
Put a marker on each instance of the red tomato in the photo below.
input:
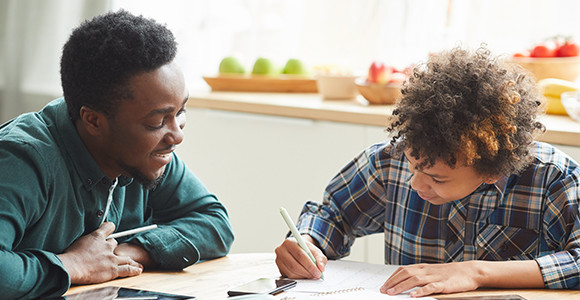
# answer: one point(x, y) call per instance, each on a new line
point(569, 48)
point(519, 54)
point(543, 50)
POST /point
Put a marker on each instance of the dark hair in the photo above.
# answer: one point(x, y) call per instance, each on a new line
point(471, 108)
point(103, 54)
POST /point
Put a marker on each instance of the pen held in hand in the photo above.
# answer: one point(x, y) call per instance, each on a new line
point(297, 236)
point(131, 231)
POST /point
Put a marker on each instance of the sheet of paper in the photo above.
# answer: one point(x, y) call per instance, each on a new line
point(345, 279)
point(341, 274)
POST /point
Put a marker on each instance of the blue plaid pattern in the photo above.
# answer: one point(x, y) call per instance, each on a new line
point(533, 215)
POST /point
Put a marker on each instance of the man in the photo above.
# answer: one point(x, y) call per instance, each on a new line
point(102, 160)
point(463, 195)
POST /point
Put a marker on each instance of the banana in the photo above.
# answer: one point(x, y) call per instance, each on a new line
point(555, 87)
point(552, 88)
point(554, 105)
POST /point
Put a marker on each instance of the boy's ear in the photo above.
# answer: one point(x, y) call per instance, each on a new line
point(492, 180)
point(93, 121)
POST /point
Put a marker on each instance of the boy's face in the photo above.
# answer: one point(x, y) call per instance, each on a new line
point(145, 129)
point(440, 183)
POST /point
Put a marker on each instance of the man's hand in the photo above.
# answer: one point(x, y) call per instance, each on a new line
point(91, 258)
point(136, 252)
point(293, 262)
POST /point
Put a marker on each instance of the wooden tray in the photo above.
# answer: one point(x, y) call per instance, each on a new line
point(281, 84)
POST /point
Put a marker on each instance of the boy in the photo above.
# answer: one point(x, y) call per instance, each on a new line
point(463, 194)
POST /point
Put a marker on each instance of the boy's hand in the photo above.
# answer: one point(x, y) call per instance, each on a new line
point(463, 276)
point(432, 279)
point(293, 262)
point(91, 258)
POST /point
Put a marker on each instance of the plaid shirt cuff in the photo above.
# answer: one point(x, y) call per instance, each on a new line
point(560, 271)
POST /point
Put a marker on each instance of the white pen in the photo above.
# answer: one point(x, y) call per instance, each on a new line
point(297, 236)
point(131, 231)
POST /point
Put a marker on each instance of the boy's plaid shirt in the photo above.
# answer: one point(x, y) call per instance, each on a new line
point(531, 216)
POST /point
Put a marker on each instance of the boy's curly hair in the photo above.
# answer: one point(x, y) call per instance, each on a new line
point(471, 108)
point(104, 53)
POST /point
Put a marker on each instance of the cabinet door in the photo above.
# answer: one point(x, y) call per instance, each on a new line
point(255, 164)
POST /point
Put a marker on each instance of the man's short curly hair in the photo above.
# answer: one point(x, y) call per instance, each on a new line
point(469, 108)
point(103, 54)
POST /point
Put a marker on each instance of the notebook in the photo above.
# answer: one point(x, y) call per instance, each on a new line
point(346, 280)
point(347, 294)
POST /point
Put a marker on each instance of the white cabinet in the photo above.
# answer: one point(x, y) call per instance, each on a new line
point(257, 163)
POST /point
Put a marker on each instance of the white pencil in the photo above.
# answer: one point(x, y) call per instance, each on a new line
point(131, 231)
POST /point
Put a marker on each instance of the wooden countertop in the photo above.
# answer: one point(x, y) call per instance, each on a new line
point(559, 129)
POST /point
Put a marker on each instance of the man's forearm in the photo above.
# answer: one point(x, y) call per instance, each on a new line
point(31, 275)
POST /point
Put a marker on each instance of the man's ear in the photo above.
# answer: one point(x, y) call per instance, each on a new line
point(93, 121)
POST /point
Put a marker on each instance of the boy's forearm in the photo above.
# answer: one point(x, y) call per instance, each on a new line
point(509, 274)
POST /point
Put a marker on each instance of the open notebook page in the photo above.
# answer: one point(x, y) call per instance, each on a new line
point(345, 280)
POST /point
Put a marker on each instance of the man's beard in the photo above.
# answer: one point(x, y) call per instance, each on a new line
point(147, 183)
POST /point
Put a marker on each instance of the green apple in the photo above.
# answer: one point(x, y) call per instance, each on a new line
point(265, 66)
point(295, 66)
point(231, 65)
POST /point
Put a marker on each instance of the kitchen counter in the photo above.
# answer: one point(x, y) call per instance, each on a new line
point(559, 129)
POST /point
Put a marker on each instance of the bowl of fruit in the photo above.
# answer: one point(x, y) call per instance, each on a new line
point(554, 58)
point(266, 75)
point(382, 85)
